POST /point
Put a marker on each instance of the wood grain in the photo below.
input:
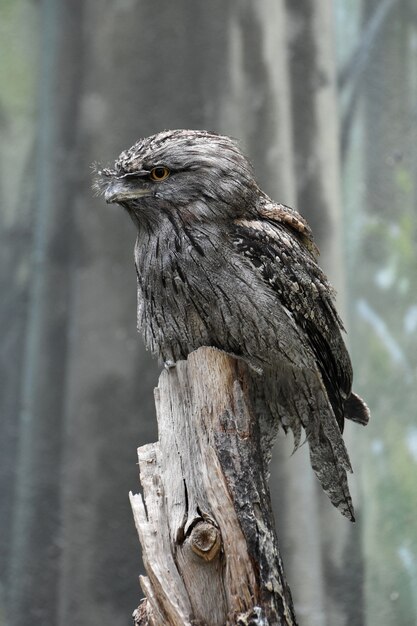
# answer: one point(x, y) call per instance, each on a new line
point(204, 520)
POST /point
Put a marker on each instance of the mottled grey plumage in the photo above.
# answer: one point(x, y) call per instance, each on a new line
point(219, 264)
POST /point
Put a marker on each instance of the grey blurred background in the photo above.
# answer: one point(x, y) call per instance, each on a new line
point(323, 97)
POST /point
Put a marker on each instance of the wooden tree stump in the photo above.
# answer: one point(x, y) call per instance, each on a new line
point(204, 521)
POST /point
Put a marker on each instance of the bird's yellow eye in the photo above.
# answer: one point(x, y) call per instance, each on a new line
point(159, 173)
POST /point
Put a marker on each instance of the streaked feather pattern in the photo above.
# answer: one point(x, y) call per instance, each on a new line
point(220, 264)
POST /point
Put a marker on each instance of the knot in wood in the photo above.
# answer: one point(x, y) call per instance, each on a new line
point(205, 540)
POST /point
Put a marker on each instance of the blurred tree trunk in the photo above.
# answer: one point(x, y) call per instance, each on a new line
point(35, 548)
point(320, 590)
point(222, 75)
point(17, 153)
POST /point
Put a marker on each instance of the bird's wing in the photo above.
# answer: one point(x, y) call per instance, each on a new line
point(291, 219)
point(280, 245)
point(283, 251)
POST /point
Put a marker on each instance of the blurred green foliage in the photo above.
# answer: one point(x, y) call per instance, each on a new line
point(18, 47)
point(380, 196)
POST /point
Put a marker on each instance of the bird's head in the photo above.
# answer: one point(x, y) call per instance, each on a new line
point(200, 175)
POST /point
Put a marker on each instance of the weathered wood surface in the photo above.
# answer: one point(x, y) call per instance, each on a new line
point(205, 521)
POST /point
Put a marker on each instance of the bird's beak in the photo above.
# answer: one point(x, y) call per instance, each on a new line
point(123, 190)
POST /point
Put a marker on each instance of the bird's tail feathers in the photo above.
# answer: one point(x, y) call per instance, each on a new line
point(311, 409)
point(332, 476)
point(356, 410)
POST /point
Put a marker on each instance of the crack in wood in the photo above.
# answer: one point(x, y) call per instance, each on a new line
point(205, 521)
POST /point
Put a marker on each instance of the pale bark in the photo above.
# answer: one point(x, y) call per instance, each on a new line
point(205, 521)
